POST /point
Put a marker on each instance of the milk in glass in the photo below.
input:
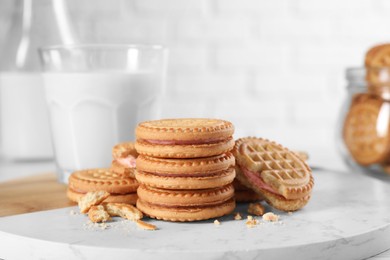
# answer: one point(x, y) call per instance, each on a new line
point(91, 112)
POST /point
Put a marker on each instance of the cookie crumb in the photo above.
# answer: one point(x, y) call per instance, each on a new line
point(289, 213)
point(256, 209)
point(72, 212)
point(103, 226)
point(237, 216)
point(269, 216)
point(251, 222)
point(145, 226)
point(216, 222)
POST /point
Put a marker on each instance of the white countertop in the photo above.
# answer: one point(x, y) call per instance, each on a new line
point(361, 225)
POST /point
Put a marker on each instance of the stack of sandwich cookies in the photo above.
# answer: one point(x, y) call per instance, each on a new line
point(278, 174)
point(185, 169)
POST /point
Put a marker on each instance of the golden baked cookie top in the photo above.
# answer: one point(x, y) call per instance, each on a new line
point(101, 179)
point(185, 129)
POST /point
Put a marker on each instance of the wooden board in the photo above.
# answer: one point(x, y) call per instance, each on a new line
point(30, 194)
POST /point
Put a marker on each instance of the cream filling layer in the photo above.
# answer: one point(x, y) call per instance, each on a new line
point(185, 142)
point(128, 162)
point(257, 180)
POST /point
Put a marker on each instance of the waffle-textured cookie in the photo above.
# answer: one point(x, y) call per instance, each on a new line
point(273, 171)
point(186, 205)
point(184, 138)
point(197, 173)
point(367, 141)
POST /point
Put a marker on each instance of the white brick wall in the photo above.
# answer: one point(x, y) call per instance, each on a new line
point(275, 68)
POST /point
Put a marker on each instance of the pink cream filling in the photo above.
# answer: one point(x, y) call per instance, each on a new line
point(258, 181)
point(183, 142)
point(128, 162)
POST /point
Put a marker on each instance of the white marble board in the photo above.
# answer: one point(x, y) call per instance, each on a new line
point(348, 217)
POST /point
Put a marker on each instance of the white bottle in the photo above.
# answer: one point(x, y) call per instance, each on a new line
point(24, 122)
point(25, 130)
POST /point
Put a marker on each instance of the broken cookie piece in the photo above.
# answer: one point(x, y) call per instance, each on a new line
point(124, 210)
point(92, 198)
point(98, 214)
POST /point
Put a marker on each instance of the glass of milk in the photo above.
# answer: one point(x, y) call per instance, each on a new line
point(96, 96)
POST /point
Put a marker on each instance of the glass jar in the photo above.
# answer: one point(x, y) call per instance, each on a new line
point(364, 124)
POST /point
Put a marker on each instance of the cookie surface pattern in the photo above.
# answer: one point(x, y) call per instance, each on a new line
point(101, 179)
point(276, 165)
point(185, 197)
point(186, 214)
point(184, 129)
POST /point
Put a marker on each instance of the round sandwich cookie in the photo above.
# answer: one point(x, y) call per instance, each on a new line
point(377, 62)
point(366, 141)
point(125, 156)
point(196, 173)
point(184, 138)
point(186, 205)
point(378, 56)
point(278, 174)
point(243, 193)
point(121, 189)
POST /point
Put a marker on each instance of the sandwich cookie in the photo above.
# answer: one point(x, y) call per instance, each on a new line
point(278, 174)
point(186, 205)
point(377, 62)
point(366, 142)
point(121, 189)
point(184, 138)
point(197, 173)
point(124, 157)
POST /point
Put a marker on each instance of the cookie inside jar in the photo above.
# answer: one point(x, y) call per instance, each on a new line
point(366, 125)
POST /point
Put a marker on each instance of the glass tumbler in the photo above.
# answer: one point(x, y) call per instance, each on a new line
point(96, 95)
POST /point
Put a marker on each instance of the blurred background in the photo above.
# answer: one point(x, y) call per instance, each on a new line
point(274, 68)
